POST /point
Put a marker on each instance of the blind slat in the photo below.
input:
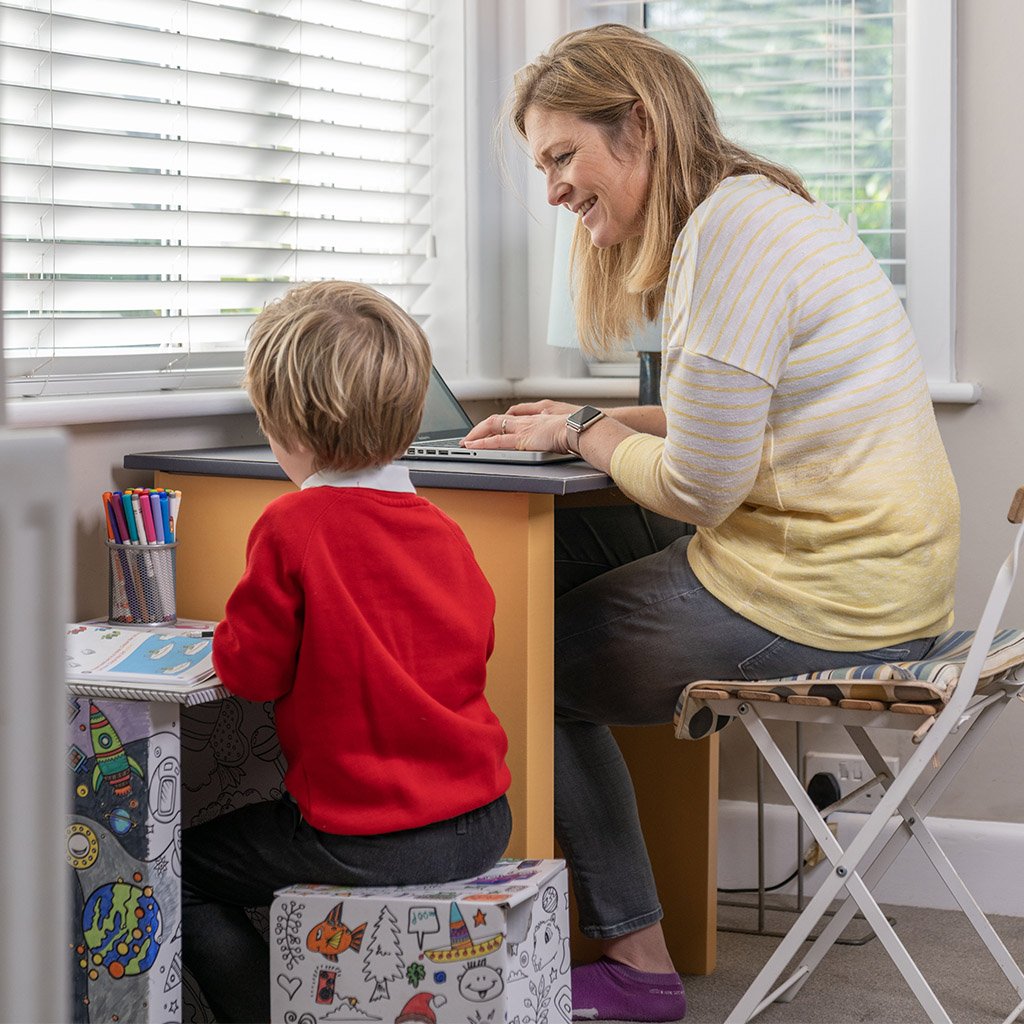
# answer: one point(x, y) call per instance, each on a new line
point(71, 152)
point(74, 72)
point(400, 21)
point(28, 220)
point(23, 139)
point(180, 298)
point(29, 103)
point(148, 184)
point(195, 263)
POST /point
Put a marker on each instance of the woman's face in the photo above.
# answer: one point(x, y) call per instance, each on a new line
point(606, 189)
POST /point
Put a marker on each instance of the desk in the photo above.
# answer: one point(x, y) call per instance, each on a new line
point(124, 847)
point(507, 513)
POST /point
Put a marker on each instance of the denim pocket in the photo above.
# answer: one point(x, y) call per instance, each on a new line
point(775, 659)
point(884, 654)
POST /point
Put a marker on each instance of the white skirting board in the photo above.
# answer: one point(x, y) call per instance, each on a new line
point(986, 854)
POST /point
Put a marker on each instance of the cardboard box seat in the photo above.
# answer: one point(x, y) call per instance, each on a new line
point(487, 950)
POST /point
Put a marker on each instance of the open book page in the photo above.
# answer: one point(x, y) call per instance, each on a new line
point(158, 656)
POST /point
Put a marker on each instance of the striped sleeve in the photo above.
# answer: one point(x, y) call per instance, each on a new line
point(709, 461)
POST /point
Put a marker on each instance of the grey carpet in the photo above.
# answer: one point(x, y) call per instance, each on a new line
point(861, 983)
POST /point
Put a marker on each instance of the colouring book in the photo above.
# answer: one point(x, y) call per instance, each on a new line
point(160, 656)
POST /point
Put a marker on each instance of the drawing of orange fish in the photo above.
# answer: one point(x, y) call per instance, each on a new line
point(330, 937)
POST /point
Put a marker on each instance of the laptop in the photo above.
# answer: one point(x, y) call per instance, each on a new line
point(445, 423)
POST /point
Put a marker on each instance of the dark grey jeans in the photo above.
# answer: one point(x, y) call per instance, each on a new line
point(241, 858)
point(633, 625)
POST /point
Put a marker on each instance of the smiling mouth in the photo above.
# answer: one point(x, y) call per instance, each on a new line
point(585, 207)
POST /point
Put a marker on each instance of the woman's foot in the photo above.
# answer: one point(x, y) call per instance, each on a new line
point(609, 990)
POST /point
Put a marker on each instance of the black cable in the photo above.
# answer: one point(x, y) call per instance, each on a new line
point(823, 790)
point(767, 888)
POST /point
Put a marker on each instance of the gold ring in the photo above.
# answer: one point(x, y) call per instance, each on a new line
point(504, 420)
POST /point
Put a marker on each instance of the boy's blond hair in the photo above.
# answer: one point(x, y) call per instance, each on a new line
point(338, 369)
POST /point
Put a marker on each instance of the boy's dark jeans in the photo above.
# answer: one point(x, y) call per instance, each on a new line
point(241, 858)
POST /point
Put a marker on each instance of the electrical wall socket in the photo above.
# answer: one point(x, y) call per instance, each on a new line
point(852, 771)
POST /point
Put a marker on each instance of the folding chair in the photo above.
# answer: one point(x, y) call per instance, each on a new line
point(968, 678)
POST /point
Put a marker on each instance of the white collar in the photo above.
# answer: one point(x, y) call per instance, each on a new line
point(392, 477)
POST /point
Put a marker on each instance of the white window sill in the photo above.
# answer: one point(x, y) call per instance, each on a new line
point(157, 405)
point(57, 412)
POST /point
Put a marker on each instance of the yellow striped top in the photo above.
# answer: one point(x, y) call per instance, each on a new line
point(801, 439)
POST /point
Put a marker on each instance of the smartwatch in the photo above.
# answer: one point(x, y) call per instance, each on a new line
point(580, 420)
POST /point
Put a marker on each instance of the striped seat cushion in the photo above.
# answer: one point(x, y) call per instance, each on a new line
point(932, 679)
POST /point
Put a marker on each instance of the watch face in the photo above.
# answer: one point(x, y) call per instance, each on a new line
point(581, 417)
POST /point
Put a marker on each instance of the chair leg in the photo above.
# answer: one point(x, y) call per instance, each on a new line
point(843, 877)
point(757, 996)
point(885, 850)
point(1015, 1013)
point(898, 952)
point(968, 905)
point(915, 822)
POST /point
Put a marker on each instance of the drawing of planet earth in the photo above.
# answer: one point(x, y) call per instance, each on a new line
point(121, 923)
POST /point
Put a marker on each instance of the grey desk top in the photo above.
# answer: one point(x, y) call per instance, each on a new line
point(257, 461)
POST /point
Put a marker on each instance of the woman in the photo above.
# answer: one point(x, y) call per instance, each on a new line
point(795, 433)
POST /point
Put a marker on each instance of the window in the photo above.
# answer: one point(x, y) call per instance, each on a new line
point(169, 166)
point(857, 95)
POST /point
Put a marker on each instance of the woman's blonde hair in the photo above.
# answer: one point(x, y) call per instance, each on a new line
point(340, 370)
point(598, 74)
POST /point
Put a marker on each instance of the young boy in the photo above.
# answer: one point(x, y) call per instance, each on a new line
point(364, 616)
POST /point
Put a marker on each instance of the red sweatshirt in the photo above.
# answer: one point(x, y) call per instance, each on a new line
point(364, 615)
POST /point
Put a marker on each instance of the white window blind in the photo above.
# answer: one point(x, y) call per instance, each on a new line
point(169, 166)
point(857, 96)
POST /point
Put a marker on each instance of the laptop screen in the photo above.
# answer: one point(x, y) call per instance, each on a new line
point(442, 415)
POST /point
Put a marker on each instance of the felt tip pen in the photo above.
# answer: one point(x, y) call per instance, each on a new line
point(197, 634)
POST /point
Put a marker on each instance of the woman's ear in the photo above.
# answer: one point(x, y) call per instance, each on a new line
point(642, 123)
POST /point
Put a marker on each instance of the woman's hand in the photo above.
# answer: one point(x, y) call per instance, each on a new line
point(529, 426)
point(544, 406)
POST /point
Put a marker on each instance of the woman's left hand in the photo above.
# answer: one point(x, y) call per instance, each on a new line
point(540, 433)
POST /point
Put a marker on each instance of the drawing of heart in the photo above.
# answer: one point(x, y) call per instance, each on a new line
point(290, 985)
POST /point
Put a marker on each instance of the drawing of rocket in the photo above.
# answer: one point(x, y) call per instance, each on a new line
point(112, 763)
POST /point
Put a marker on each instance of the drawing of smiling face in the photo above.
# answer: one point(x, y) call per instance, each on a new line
point(478, 982)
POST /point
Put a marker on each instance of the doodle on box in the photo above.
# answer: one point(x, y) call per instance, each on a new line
point(487, 950)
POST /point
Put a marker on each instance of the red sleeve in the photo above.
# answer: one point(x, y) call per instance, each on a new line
point(256, 646)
